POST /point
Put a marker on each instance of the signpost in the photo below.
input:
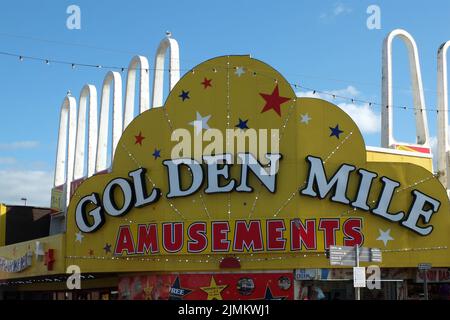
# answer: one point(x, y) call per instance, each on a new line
point(351, 256)
point(346, 255)
point(424, 267)
point(357, 277)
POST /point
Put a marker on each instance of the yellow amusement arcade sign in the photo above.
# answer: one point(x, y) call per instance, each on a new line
point(235, 165)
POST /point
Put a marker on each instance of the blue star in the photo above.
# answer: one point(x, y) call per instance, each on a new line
point(107, 248)
point(335, 131)
point(242, 124)
point(184, 95)
point(176, 292)
point(157, 154)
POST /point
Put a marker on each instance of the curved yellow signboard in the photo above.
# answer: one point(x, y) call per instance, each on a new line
point(235, 165)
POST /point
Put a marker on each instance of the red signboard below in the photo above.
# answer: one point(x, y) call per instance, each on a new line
point(208, 286)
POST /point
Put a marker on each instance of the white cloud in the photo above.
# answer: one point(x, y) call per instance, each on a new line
point(309, 94)
point(337, 10)
point(7, 160)
point(33, 185)
point(340, 8)
point(367, 120)
point(349, 92)
point(19, 145)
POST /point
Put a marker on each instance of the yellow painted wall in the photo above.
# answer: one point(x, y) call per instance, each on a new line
point(2, 224)
point(37, 268)
point(404, 157)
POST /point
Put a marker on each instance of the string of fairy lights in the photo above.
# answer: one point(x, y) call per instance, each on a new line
point(283, 127)
point(47, 279)
point(312, 91)
point(228, 108)
point(336, 149)
point(151, 181)
point(202, 200)
point(250, 258)
point(331, 154)
point(207, 259)
point(282, 130)
point(74, 65)
point(412, 185)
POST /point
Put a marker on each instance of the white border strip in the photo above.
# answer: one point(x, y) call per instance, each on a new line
point(400, 152)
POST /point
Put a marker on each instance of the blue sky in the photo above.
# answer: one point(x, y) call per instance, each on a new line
point(324, 45)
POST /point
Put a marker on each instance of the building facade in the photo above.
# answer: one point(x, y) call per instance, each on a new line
point(238, 189)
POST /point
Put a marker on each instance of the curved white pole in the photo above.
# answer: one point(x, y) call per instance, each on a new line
point(70, 156)
point(91, 92)
point(114, 78)
point(66, 146)
point(144, 100)
point(387, 135)
point(442, 116)
point(174, 69)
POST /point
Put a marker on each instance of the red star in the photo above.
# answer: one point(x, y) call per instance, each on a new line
point(139, 138)
point(273, 101)
point(206, 83)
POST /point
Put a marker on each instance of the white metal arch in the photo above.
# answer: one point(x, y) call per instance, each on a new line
point(144, 93)
point(174, 69)
point(70, 156)
point(66, 146)
point(117, 116)
point(387, 133)
point(88, 91)
point(442, 115)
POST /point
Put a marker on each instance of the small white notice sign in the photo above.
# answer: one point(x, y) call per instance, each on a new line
point(359, 277)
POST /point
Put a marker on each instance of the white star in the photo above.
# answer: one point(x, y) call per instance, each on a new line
point(79, 236)
point(200, 123)
point(305, 118)
point(239, 71)
point(385, 236)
